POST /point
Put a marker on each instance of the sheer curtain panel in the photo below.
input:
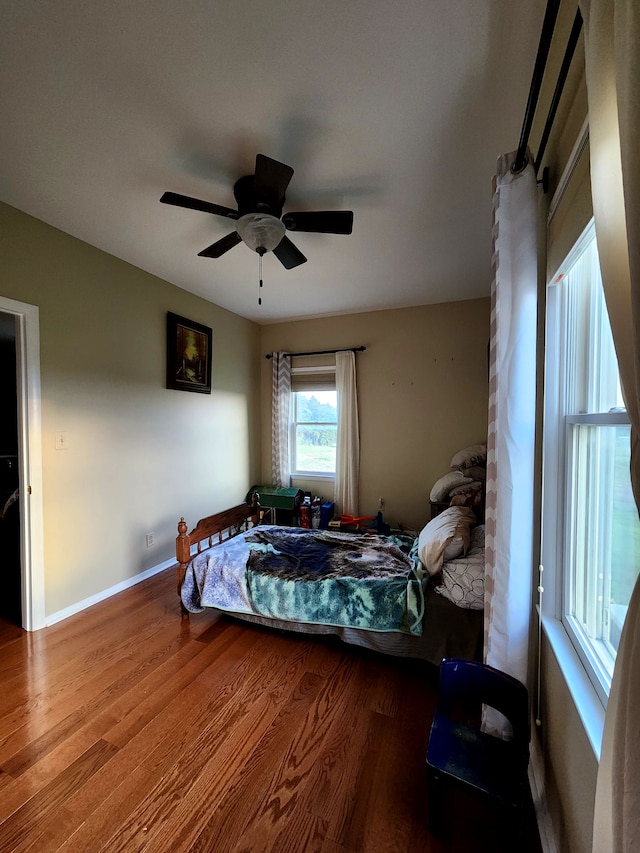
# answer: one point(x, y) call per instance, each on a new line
point(510, 440)
point(348, 439)
point(280, 405)
point(612, 53)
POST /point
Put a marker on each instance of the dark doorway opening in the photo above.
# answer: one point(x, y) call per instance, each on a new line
point(10, 564)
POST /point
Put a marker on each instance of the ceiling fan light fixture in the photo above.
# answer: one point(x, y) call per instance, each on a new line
point(260, 231)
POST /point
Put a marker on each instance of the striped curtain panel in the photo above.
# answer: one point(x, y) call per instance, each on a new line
point(280, 404)
point(511, 435)
point(612, 61)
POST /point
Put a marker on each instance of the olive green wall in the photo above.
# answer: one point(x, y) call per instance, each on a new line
point(422, 395)
point(139, 456)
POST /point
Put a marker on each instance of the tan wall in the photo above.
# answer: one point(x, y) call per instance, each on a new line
point(571, 768)
point(422, 395)
point(139, 456)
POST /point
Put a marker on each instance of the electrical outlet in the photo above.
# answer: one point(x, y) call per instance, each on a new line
point(148, 540)
point(381, 503)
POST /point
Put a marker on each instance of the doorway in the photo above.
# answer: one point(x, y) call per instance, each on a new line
point(10, 525)
point(21, 468)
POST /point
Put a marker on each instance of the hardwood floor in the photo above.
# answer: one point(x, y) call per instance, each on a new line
point(125, 728)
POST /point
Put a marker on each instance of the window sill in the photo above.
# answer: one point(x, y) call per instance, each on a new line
point(302, 476)
point(588, 705)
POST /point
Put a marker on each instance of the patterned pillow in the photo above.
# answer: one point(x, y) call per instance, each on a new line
point(463, 578)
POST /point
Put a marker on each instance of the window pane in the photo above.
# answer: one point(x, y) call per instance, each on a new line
point(316, 448)
point(316, 407)
point(315, 419)
point(592, 382)
point(625, 544)
point(603, 539)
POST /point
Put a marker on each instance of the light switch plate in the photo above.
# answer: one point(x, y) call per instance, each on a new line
point(62, 441)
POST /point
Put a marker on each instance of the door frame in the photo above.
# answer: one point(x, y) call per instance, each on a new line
point(27, 320)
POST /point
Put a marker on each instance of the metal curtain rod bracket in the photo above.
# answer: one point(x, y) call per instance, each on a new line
point(544, 180)
point(319, 352)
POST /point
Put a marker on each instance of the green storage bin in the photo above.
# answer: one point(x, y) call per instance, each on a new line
point(287, 500)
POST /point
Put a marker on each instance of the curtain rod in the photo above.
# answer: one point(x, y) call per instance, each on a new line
point(320, 352)
point(562, 78)
point(546, 35)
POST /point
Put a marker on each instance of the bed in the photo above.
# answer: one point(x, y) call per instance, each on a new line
point(385, 593)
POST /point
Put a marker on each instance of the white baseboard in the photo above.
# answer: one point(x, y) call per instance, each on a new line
point(107, 593)
point(536, 781)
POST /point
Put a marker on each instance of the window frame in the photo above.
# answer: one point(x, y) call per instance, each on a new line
point(558, 428)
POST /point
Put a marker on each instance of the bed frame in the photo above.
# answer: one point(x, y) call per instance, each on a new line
point(449, 631)
point(214, 529)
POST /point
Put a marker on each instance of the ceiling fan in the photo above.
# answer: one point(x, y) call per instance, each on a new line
point(261, 224)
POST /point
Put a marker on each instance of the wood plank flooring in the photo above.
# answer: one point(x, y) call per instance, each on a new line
point(126, 729)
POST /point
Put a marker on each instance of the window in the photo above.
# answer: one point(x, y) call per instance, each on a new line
point(591, 528)
point(314, 427)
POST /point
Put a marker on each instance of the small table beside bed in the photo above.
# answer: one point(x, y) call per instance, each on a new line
point(418, 597)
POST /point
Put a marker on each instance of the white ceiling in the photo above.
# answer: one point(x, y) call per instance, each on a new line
point(395, 110)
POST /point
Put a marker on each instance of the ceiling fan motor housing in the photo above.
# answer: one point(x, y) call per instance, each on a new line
point(250, 201)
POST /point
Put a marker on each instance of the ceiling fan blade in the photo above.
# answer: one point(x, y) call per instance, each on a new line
point(215, 250)
point(320, 221)
point(271, 180)
point(288, 254)
point(197, 204)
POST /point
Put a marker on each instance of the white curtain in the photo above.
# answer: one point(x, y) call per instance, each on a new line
point(510, 440)
point(612, 51)
point(280, 405)
point(348, 440)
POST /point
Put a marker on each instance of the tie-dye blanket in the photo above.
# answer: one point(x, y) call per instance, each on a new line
point(327, 577)
point(313, 576)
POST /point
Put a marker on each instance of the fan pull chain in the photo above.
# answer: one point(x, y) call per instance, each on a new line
point(260, 279)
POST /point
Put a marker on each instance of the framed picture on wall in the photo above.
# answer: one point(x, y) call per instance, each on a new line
point(189, 350)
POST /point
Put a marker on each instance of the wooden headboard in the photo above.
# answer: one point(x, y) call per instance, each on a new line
point(214, 529)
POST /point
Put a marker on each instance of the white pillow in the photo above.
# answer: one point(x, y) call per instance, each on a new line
point(441, 488)
point(467, 488)
point(476, 472)
point(475, 454)
point(446, 536)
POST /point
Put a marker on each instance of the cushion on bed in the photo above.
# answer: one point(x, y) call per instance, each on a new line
point(476, 472)
point(446, 536)
point(467, 488)
point(475, 454)
point(463, 578)
point(441, 488)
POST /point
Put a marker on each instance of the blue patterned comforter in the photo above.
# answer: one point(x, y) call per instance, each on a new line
point(316, 576)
